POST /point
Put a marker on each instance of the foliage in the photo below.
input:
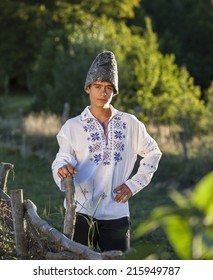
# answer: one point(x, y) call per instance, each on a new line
point(19, 49)
point(25, 25)
point(209, 116)
point(184, 28)
point(158, 91)
point(111, 9)
point(191, 218)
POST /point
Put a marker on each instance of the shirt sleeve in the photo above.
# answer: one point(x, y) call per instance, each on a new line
point(65, 155)
point(147, 148)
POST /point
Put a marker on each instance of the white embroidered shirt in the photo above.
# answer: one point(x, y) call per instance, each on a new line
point(105, 161)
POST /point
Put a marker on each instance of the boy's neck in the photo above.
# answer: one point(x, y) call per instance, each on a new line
point(101, 114)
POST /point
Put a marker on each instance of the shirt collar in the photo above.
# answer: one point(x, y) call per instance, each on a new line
point(86, 114)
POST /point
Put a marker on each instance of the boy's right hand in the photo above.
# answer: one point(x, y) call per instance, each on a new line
point(65, 171)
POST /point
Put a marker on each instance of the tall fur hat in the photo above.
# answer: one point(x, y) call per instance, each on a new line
point(104, 69)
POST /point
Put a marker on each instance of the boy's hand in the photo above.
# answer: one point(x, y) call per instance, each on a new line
point(123, 193)
point(65, 171)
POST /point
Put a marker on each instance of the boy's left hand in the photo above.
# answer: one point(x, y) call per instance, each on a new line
point(123, 193)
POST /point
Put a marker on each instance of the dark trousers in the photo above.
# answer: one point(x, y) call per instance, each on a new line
point(107, 234)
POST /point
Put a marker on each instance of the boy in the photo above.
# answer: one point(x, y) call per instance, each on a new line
point(99, 149)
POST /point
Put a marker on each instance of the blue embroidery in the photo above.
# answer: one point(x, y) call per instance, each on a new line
point(97, 158)
point(95, 136)
point(118, 134)
point(106, 158)
point(117, 157)
point(102, 149)
point(119, 146)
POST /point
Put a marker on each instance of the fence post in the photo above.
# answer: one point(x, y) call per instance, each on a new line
point(70, 215)
point(4, 171)
point(66, 111)
point(18, 222)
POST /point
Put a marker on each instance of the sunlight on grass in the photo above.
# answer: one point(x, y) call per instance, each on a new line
point(42, 124)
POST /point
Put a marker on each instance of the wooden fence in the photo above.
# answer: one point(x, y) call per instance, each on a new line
point(25, 235)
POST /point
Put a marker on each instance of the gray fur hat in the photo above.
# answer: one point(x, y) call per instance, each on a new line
point(104, 69)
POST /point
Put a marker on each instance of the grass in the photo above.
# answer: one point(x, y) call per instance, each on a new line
point(14, 105)
point(34, 176)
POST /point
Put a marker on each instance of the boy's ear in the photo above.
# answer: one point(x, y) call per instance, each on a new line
point(88, 90)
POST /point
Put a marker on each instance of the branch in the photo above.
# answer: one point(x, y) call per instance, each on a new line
point(4, 195)
point(4, 171)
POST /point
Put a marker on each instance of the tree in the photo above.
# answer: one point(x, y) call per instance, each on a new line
point(118, 10)
point(19, 48)
point(184, 28)
point(190, 110)
point(163, 93)
point(139, 71)
point(25, 25)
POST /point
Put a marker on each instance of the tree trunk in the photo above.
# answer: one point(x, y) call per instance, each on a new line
point(6, 85)
point(184, 139)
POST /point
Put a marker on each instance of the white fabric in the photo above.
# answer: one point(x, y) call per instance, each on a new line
point(105, 163)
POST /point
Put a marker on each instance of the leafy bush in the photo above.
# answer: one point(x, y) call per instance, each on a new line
point(188, 224)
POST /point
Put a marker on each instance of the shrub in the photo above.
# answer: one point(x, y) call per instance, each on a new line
point(188, 224)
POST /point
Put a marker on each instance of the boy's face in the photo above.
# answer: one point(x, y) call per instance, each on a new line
point(100, 93)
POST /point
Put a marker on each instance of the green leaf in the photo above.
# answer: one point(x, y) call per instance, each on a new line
point(154, 221)
point(203, 245)
point(180, 200)
point(179, 234)
point(202, 198)
point(146, 227)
